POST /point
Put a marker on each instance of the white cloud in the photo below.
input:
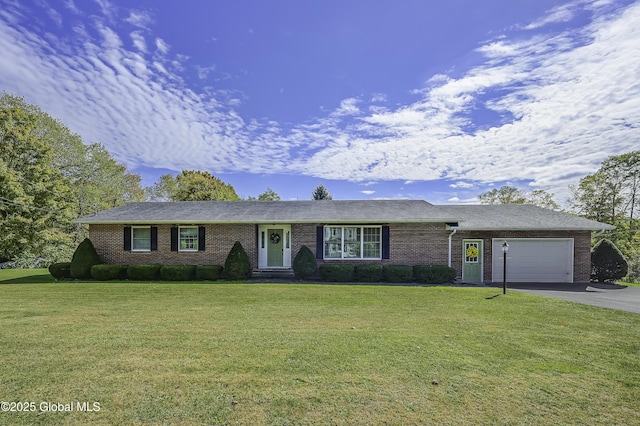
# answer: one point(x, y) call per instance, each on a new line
point(562, 13)
point(566, 97)
point(139, 19)
point(138, 41)
point(565, 100)
point(162, 46)
point(464, 185)
point(368, 192)
point(347, 107)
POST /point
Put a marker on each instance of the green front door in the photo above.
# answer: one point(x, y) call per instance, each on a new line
point(472, 261)
point(274, 248)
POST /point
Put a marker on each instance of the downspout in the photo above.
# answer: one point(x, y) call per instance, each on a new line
point(450, 236)
point(600, 232)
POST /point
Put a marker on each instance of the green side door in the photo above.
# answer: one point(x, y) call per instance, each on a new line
point(472, 261)
point(274, 248)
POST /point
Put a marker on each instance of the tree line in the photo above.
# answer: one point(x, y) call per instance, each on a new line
point(49, 176)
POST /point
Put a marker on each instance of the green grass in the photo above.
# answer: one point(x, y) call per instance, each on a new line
point(195, 353)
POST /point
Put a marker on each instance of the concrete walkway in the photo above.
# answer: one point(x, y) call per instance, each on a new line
point(610, 296)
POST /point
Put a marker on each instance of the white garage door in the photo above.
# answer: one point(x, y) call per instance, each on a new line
point(543, 260)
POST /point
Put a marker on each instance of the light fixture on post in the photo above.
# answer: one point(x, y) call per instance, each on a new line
point(505, 249)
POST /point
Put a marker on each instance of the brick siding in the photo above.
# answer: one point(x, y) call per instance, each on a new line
point(581, 249)
point(109, 243)
point(410, 244)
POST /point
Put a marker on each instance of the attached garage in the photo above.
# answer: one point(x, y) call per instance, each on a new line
point(548, 260)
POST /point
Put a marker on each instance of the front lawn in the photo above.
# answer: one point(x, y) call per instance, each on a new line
point(198, 353)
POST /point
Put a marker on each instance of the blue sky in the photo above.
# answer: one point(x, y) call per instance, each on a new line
point(375, 99)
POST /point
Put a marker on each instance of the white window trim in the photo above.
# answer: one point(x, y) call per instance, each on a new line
point(180, 249)
point(133, 239)
point(362, 228)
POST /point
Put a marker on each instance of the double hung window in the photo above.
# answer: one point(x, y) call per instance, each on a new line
point(141, 238)
point(188, 238)
point(352, 242)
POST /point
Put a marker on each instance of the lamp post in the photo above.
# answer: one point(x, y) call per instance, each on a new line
point(505, 249)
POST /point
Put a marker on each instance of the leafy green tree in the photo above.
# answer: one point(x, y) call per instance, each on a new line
point(511, 195)
point(94, 180)
point(321, 193)
point(163, 190)
point(611, 195)
point(625, 170)
point(268, 195)
point(192, 185)
point(597, 197)
point(34, 198)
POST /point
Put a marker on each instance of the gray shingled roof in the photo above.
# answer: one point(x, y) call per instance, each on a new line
point(517, 217)
point(364, 211)
point(469, 217)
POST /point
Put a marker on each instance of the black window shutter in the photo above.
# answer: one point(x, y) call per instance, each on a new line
point(201, 234)
point(385, 242)
point(154, 238)
point(127, 238)
point(174, 238)
point(319, 242)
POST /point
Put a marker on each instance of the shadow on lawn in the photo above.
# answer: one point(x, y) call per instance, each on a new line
point(30, 279)
point(575, 288)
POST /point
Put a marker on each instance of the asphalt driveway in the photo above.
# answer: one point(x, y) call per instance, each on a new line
point(610, 296)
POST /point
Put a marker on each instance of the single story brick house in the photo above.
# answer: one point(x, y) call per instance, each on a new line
point(545, 245)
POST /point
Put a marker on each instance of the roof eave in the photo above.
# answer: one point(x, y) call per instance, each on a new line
point(256, 222)
point(515, 228)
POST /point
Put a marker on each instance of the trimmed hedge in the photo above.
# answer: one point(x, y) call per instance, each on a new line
point(305, 263)
point(336, 272)
point(434, 274)
point(108, 272)
point(60, 270)
point(177, 272)
point(209, 272)
point(398, 273)
point(143, 272)
point(368, 273)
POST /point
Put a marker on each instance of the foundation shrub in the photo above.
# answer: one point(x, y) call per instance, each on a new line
point(607, 262)
point(177, 272)
point(143, 272)
point(336, 272)
point(83, 259)
point(305, 263)
point(237, 265)
point(398, 273)
point(108, 272)
point(209, 272)
point(60, 270)
point(434, 274)
point(368, 273)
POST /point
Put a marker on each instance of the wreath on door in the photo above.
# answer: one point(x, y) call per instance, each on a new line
point(472, 252)
point(275, 238)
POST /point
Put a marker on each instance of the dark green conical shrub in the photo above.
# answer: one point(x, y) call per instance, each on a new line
point(83, 259)
point(237, 266)
point(607, 263)
point(305, 263)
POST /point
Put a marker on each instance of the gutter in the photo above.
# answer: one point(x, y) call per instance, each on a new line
point(600, 232)
point(455, 229)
